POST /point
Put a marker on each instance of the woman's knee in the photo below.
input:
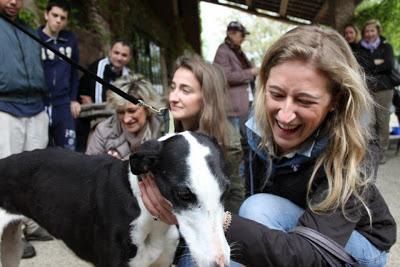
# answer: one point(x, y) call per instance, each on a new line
point(366, 254)
point(271, 210)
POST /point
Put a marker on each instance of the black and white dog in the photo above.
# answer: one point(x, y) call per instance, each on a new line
point(93, 203)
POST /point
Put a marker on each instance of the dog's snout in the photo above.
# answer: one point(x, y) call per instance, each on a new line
point(221, 261)
point(216, 264)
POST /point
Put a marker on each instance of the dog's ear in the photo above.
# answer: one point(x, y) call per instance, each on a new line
point(146, 157)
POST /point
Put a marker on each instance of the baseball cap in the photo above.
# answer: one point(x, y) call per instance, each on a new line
point(237, 26)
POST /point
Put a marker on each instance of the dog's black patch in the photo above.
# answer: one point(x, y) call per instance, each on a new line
point(61, 190)
point(87, 201)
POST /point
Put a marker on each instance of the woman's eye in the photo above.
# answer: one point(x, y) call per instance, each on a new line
point(186, 90)
point(276, 95)
point(305, 102)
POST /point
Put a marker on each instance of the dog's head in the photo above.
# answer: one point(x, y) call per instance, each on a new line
point(188, 168)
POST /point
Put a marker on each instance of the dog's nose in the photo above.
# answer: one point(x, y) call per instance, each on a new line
point(220, 262)
point(219, 265)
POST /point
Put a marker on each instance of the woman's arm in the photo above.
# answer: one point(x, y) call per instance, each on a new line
point(386, 66)
point(96, 143)
point(254, 244)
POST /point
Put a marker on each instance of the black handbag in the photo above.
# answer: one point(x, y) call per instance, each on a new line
point(395, 73)
point(334, 254)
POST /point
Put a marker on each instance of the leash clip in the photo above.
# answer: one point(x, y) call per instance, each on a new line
point(143, 104)
point(165, 113)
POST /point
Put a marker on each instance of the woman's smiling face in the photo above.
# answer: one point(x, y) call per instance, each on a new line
point(185, 98)
point(133, 117)
point(297, 101)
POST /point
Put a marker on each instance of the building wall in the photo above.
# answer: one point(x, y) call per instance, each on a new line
point(174, 25)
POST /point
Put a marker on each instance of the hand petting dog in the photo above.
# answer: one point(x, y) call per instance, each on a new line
point(156, 204)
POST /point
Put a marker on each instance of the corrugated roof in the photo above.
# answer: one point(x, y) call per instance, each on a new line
point(291, 11)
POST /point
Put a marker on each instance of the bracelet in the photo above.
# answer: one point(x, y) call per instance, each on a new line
point(227, 221)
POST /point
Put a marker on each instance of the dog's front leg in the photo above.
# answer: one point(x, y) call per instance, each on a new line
point(11, 245)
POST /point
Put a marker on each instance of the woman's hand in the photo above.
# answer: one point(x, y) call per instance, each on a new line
point(114, 153)
point(156, 204)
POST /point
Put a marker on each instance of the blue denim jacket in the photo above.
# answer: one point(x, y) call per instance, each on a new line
point(21, 73)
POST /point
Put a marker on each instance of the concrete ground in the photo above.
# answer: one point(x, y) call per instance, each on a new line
point(55, 254)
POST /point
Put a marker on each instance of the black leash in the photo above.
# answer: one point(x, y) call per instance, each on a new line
point(164, 112)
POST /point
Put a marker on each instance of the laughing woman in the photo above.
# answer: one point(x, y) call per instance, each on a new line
point(308, 161)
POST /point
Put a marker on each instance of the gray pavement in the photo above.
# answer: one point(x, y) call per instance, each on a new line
point(55, 253)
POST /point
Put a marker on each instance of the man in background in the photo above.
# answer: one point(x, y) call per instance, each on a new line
point(62, 79)
point(238, 71)
point(109, 68)
point(23, 119)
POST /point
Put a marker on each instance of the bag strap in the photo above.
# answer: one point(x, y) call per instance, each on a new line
point(324, 244)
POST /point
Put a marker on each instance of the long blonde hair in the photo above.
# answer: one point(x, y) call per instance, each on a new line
point(343, 158)
point(212, 119)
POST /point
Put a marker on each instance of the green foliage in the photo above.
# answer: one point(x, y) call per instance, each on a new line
point(41, 4)
point(388, 14)
point(28, 17)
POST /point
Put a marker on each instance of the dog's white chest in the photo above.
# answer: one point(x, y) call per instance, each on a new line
point(156, 241)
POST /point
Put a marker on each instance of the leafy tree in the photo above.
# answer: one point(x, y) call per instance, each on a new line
point(263, 31)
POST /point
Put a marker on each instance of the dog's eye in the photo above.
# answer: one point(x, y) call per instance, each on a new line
point(185, 194)
point(223, 196)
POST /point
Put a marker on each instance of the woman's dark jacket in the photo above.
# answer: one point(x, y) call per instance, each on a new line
point(378, 76)
point(257, 245)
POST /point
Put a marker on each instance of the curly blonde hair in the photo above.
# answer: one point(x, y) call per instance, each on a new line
point(137, 86)
point(343, 159)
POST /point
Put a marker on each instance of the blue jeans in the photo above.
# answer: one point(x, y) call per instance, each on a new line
point(281, 214)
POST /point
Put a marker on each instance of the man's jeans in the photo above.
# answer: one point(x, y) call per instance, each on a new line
point(281, 214)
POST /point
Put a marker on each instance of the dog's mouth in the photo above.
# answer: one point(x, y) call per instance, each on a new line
point(204, 235)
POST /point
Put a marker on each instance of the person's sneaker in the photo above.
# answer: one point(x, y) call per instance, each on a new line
point(29, 251)
point(39, 234)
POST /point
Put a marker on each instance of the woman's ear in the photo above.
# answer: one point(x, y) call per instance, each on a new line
point(148, 113)
point(146, 157)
